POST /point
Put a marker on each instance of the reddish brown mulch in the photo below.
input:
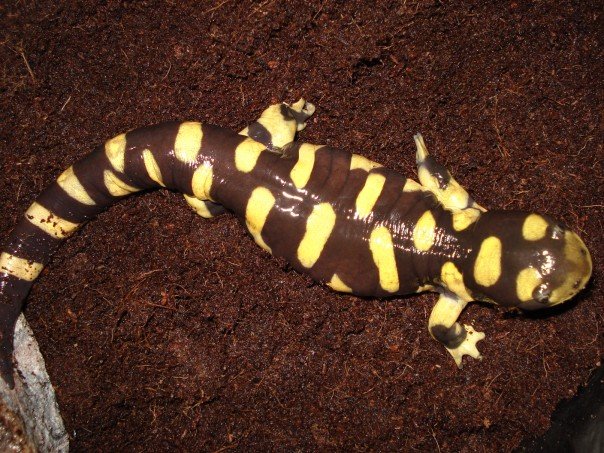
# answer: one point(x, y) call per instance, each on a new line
point(165, 331)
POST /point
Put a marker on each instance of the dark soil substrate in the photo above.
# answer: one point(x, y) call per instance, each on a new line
point(163, 330)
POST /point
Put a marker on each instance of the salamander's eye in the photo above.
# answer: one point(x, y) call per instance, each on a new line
point(557, 231)
point(541, 294)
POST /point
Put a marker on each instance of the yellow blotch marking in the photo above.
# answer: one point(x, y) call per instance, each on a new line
point(464, 218)
point(412, 186)
point(424, 232)
point(369, 194)
point(188, 142)
point(319, 225)
point(358, 161)
point(247, 154)
point(50, 223)
point(534, 227)
point(258, 207)
point(526, 282)
point(152, 167)
point(19, 267)
point(453, 280)
point(338, 285)
point(487, 267)
point(301, 172)
point(70, 183)
point(382, 250)
point(199, 206)
point(115, 150)
point(116, 186)
point(202, 181)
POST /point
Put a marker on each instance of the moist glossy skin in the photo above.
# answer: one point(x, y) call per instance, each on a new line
point(345, 220)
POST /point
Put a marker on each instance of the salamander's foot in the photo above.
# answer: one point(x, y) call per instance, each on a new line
point(438, 179)
point(443, 326)
point(467, 346)
point(278, 124)
point(301, 111)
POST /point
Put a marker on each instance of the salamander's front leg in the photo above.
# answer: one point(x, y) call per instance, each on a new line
point(438, 179)
point(278, 124)
point(443, 326)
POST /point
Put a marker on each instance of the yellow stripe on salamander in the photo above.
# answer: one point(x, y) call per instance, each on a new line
point(188, 142)
point(338, 285)
point(199, 206)
point(452, 279)
point(19, 267)
point(534, 227)
point(70, 183)
point(115, 150)
point(116, 186)
point(424, 232)
point(258, 207)
point(202, 181)
point(152, 167)
point(527, 280)
point(412, 186)
point(50, 223)
point(301, 172)
point(369, 194)
point(247, 154)
point(319, 225)
point(487, 267)
point(382, 250)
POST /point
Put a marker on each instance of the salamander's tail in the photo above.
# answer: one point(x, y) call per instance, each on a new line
point(125, 164)
point(9, 312)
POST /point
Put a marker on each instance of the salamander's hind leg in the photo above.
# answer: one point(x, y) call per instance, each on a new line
point(443, 326)
point(278, 124)
point(437, 178)
point(205, 208)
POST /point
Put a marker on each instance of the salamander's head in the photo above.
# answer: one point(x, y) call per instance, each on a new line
point(524, 260)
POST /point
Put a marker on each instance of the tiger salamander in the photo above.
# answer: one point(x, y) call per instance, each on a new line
point(348, 222)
